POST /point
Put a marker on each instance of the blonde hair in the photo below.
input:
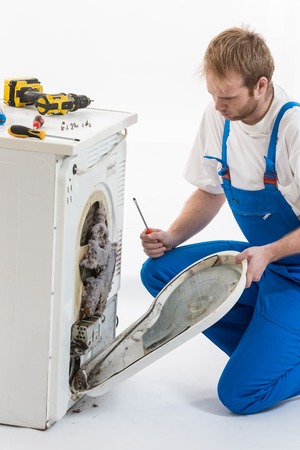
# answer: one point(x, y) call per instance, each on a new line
point(242, 51)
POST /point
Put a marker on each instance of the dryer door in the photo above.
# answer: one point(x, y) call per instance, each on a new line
point(193, 301)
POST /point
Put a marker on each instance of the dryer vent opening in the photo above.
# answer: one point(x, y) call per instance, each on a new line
point(98, 264)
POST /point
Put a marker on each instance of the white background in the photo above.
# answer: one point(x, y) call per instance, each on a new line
point(142, 56)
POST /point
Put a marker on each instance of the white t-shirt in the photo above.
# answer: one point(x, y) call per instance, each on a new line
point(246, 147)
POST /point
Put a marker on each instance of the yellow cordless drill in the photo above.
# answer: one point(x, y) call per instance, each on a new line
point(20, 92)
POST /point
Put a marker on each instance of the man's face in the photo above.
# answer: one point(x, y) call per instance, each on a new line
point(232, 99)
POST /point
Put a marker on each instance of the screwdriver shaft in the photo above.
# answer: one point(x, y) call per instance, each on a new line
point(62, 137)
point(138, 208)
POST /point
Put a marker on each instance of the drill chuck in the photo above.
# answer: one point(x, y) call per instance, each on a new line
point(80, 101)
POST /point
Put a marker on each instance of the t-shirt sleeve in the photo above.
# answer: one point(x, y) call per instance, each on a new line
point(200, 171)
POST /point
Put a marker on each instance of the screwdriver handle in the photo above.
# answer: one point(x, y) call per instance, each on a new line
point(2, 117)
point(38, 122)
point(25, 132)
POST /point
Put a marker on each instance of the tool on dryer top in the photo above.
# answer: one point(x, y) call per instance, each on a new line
point(2, 117)
point(38, 122)
point(20, 92)
point(148, 230)
point(21, 131)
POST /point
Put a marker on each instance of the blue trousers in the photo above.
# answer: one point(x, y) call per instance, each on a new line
point(260, 334)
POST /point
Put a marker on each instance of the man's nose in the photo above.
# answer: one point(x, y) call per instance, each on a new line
point(218, 104)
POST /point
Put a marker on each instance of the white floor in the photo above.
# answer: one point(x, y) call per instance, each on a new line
point(171, 404)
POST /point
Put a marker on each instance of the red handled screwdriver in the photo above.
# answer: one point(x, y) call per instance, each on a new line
point(38, 122)
point(148, 230)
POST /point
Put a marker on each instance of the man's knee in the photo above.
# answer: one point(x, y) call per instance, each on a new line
point(150, 277)
point(238, 399)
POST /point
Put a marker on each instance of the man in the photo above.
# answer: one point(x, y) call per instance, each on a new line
point(248, 152)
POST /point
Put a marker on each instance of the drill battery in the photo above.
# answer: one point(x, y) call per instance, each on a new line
point(20, 92)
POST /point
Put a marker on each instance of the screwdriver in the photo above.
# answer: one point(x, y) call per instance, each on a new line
point(24, 132)
point(148, 230)
point(2, 117)
point(21, 131)
point(38, 122)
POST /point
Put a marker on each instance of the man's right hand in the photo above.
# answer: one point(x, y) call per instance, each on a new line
point(156, 242)
point(197, 212)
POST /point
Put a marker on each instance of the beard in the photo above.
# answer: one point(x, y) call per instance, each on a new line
point(245, 111)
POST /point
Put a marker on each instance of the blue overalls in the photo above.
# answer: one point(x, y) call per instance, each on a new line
point(261, 333)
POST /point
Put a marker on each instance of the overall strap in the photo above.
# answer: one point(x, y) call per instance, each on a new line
point(224, 140)
point(270, 176)
point(273, 139)
point(224, 171)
